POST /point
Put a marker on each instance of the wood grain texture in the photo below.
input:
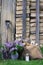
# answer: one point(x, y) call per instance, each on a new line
point(8, 12)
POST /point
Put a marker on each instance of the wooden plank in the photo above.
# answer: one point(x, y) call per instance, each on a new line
point(18, 35)
point(19, 0)
point(27, 19)
point(33, 30)
point(33, 0)
point(41, 25)
point(19, 8)
point(27, 35)
point(18, 22)
point(32, 8)
point(41, 37)
point(33, 24)
point(19, 25)
point(32, 37)
point(27, 24)
point(24, 20)
point(33, 4)
point(7, 14)
point(41, 41)
point(27, 31)
point(41, 34)
point(19, 28)
point(41, 29)
point(19, 31)
point(18, 38)
point(34, 20)
point(34, 15)
point(19, 12)
point(28, 11)
point(37, 20)
point(33, 11)
point(18, 19)
point(19, 3)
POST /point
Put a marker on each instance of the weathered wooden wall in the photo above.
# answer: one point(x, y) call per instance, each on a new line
point(8, 12)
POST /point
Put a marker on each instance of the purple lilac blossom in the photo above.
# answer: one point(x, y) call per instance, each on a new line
point(21, 44)
point(8, 44)
point(16, 42)
point(12, 49)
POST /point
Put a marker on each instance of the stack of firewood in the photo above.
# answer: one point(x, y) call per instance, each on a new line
point(19, 20)
point(41, 21)
point(33, 20)
point(28, 19)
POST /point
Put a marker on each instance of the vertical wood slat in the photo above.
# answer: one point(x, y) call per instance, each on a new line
point(0, 15)
point(15, 19)
point(24, 20)
point(37, 21)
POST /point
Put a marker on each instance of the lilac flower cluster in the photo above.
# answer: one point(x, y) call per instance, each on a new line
point(8, 44)
point(15, 46)
point(18, 42)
